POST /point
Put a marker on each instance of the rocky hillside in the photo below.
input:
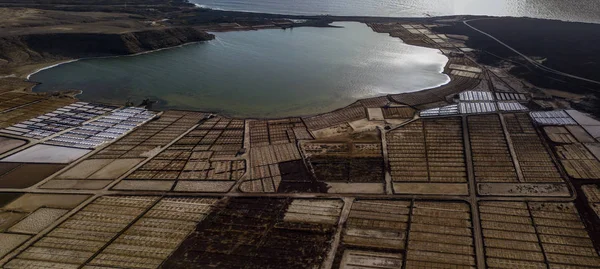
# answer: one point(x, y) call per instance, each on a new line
point(39, 48)
point(148, 7)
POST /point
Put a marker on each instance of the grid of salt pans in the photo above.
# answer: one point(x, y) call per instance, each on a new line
point(104, 129)
point(507, 96)
point(476, 96)
point(559, 117)
point(477, 108)
point(511, 106)
point(440, 111)
point(58, 120)
point(473, 108)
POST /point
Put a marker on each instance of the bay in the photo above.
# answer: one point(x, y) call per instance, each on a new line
point(265, 73)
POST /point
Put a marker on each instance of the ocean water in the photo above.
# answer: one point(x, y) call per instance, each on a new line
point(266, 73)
point(568, 10)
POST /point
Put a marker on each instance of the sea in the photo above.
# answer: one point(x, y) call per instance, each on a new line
point(567, 10)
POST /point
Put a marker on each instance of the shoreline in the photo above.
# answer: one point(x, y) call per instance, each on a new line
point(48, 67)
point(107, 57)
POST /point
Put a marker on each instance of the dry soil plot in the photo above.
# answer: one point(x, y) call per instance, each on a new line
point(578, 162)
point(347, 167)
point(37, 221)
point(559, 135)
point(77, 239)
point(150, 136)
point(260, 233)
point(492, 161)
point(154, 236)
point(29, 214)
point(205, 159)
point(592, 194)
point(284, 177)
point(92, 174)
point(535, 235)
point(335, 118)
point(428, 151)
point(350, 162)
point(534, 159)
point(24, 110)
point(274, 163)
point(375, 102)
point(405, 234)
point(282, 131)
point(575, 150)
point(12, 100)
point(119, 231)
point(405, 112)
point(515, 165)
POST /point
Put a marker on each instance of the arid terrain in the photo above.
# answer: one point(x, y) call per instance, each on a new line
point(491, 170)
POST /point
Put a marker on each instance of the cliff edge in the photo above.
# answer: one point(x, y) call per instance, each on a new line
point(35, 49)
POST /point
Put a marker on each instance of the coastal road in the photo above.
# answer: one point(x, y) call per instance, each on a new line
point(533, 62)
